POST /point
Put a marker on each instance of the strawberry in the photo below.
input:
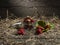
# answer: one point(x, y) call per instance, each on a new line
point(21, 31)
point(28, 19)
point(39, 31)
point(39, 27)
point(32, 20)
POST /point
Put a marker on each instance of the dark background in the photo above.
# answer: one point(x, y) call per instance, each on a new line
point(23, 8)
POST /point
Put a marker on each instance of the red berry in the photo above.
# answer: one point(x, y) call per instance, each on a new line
point(28, 19)
point(32, 21)
point(39, 31)
point(21, 31)
point(39, 27)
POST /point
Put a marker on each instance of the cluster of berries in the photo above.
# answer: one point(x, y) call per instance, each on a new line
point(28, 24)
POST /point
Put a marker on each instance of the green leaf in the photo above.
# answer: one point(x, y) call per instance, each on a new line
point(41, 23)
point(52, 25)
point(45, 30)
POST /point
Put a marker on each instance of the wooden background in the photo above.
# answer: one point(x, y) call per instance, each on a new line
point(22, 8)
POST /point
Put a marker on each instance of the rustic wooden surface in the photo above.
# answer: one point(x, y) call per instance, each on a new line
point(8, 37)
